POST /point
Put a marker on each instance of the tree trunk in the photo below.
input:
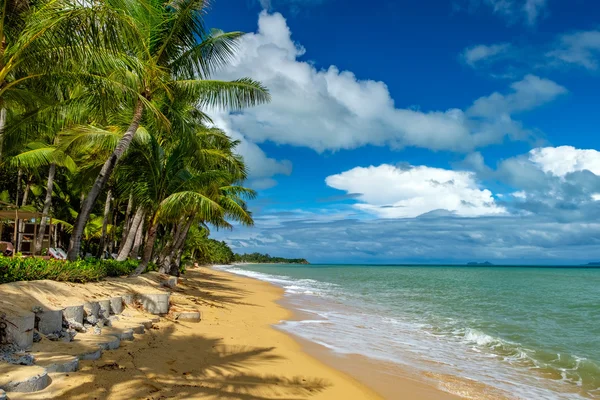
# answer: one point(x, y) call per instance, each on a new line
point(47, 203)
point(2, 126)
point(107, 169)
point(22, 222)
point(148, 248)
point(126, 247)
point(176, 259)
point(167, 264)
point(139, 235)
point(103, 241)
point(127, 223)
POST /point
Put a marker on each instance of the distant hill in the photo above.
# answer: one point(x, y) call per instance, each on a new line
point(480, 264)
point(593, 264)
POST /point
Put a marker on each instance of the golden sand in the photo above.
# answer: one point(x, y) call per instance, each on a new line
point(233, 353)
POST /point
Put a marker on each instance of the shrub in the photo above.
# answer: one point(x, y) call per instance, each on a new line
point(80, 271)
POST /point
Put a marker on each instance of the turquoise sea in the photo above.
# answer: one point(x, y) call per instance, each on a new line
point(529, 333)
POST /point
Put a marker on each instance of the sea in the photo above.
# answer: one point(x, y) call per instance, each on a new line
point(522, 332)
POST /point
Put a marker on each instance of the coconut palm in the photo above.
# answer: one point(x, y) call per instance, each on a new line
point(175, 54)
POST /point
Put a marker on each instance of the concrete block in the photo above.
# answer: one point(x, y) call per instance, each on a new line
point(116, 305)
point(157, 303)
point(128, 298)
point(19, 329)
point(69, 364)
point(92, 309)
point(187, 316)
point(74, 313)
point(110, 342)
point(24, 379)
point(104, 308)
point(49, 321)
point(91, 355)
point(2, 395)
point(122, 334)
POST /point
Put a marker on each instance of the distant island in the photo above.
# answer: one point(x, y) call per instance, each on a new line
point(266, 259)
point(480, 264)
point(593, 264)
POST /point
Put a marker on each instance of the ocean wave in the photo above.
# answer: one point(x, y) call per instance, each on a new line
point(353, 324)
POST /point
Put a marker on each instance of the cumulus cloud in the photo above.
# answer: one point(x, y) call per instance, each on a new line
point(508, 239)
point(564, 160)
point(481, 53)
point(405, 192)
point(330, 109)
point(260, 167)
point(579, 48)
point(529, 93)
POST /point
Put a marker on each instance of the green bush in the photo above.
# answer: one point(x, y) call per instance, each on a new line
point(80, 271)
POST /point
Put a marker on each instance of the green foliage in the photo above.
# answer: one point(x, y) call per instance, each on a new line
point(267, 259)
point(80, 271)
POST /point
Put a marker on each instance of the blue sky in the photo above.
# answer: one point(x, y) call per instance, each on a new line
point(431, 131)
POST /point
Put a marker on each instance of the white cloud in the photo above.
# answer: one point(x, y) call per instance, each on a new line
point(392, 192)
point(579, 48)
point(475, 54)
point(560, 161)
point(529, 93)
point(514, 10)
point(260, 167)
point(329, 109)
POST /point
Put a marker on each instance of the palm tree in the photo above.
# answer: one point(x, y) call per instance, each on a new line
point(174, 53)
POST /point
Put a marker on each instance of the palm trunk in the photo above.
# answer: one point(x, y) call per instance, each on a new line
point(127, 223)
point(103, 241)
point(176, 260)
point(47, 203)
point(139, 235)
point(2, 126)
point(148, 248)
point(21, 222)
point(166, 267)
point(107, 169)
point(126, 246)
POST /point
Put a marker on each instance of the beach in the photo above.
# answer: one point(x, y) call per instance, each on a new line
point(233, 353)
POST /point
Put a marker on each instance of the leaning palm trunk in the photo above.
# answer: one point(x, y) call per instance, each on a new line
point(135, 225)
point(127, 223)
point(105, 172)
point(103, 241)
point(139, 235)
point(148, 247)
point(2, 126)
point(178, 251)
point(167, 265)
point(47, 203)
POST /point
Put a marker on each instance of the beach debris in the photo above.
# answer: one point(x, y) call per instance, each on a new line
point(72, 324)
point(12, 354)
point(53, 337)
point(97, 330)
point(36, 337)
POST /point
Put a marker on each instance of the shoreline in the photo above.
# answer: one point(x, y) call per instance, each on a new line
point(234, 352)
point(388, 380)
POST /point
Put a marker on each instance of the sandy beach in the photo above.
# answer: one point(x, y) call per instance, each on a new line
point(233, 353)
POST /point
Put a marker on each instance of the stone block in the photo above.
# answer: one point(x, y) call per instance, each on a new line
point(74, 313)
point(91, 309)
point(24, 379)
point(104, 308)
point(19, 329)
point(128, 298)
point(188, 316)
point(49, 321)
point(157, 303)
point(116, 305)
